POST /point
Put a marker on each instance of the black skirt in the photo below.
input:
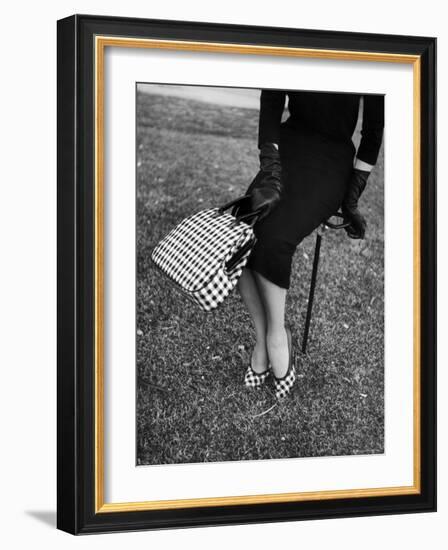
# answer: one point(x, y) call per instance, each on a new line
point(315, 173)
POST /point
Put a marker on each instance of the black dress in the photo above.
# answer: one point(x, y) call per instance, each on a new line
point(317, 153)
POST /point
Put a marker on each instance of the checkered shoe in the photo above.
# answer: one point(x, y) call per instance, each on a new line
point(284, 384)
point(254, 379)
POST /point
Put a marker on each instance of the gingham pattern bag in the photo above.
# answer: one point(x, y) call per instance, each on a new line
point(205, 254)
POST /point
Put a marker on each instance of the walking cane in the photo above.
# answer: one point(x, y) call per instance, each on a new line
point(326, 225)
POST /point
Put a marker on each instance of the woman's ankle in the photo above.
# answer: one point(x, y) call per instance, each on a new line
point(259, 358)
point(276, 337)
point(278, 350)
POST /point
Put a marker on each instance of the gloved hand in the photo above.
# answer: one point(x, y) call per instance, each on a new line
point(356, 186)
point(265, 190)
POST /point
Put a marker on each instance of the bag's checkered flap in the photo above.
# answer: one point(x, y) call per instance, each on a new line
point(193, 252)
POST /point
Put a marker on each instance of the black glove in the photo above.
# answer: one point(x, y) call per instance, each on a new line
point(358, 224)
point(265, 190)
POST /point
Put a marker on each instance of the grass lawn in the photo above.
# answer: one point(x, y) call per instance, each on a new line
point(191, 403)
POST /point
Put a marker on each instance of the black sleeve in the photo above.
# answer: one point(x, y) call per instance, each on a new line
point(372, 128)
point(272, 103)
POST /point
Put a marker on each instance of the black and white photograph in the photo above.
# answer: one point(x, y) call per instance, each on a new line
point(259, 274)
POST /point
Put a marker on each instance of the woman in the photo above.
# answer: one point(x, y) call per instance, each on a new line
point(308, 170)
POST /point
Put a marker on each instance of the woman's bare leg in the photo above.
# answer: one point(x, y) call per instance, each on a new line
point(274, 298)
point(251, 297)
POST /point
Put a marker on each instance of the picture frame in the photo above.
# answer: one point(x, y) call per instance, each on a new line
point(82, 42)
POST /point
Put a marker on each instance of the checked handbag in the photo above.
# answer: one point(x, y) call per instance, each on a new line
point(205, 254)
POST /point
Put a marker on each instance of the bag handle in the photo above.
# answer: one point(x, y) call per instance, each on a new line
point(253, 216)
point(233, 202)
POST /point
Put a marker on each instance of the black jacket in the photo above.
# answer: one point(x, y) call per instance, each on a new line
point(333, 115)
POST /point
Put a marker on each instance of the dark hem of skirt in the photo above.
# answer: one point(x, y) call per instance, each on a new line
point(261, 271)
